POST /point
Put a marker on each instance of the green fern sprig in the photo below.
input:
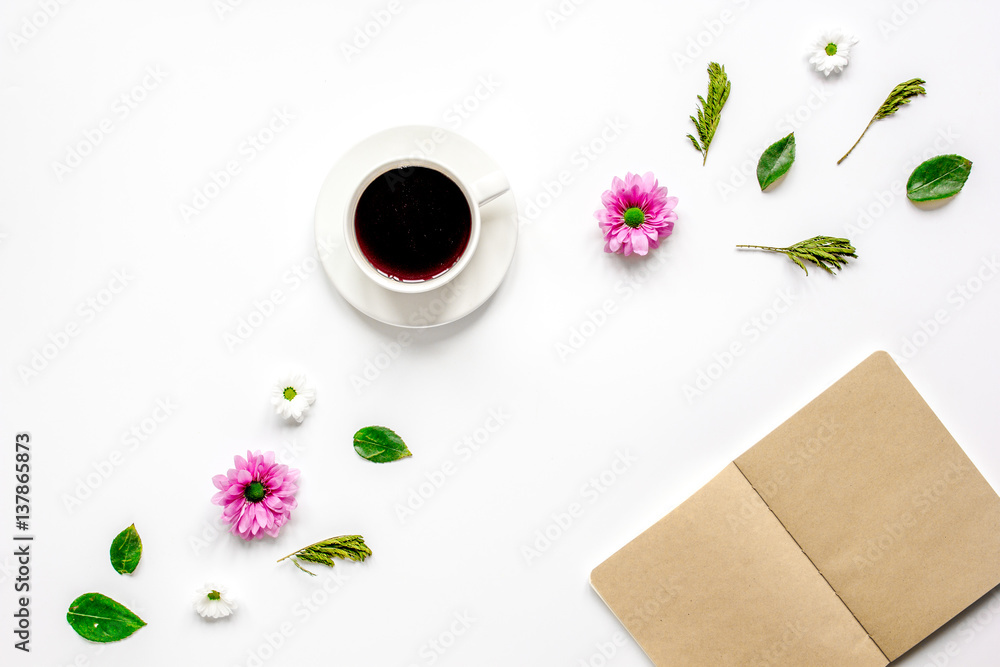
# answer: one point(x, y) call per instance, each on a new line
point(826, 252)
point(900, 95)
point(711, 110)
point(352, 547)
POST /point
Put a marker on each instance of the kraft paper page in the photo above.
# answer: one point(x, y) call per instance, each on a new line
point(886, 504)
point(718, 582)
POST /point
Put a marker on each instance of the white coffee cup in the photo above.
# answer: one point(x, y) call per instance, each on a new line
point(477, 194)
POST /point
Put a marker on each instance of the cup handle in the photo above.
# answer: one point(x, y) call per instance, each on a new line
point(488, 188)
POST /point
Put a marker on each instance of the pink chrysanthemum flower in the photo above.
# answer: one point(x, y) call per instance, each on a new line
point(637, 213)
point(258, 495)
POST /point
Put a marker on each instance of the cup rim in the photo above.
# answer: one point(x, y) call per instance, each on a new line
point(366, 266)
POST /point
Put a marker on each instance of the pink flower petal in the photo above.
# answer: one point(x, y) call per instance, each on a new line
point(246, 518)
point(264, 517)
point(609, 199)
point(640, 243)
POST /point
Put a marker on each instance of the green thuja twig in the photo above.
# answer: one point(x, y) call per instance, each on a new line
point(826, 252)
point(352, 547)
point(711, 110)
point(900, 95)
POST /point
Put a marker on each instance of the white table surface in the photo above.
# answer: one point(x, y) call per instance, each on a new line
point(452, 584)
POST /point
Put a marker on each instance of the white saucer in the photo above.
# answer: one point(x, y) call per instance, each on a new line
point(471, 288)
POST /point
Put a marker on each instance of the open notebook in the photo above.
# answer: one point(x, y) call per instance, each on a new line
point(845, 537)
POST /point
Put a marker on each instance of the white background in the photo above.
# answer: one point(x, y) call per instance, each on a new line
point(566, 416)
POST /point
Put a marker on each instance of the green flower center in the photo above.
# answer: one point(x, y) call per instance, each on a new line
point(634, 217)
point(254, 492)
point(214, 595)
point(289, 393)
point(831, 49)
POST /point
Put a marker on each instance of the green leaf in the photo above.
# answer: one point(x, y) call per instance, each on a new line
point(100, 619)
point(126, 550)
point(776, 161)
point(379, 444)
point(938, 178)
point(352, 547)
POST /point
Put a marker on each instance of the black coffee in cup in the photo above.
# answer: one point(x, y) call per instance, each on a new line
point(412, 223)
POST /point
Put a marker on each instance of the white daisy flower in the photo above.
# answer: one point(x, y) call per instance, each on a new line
point(213, 602)
point(831, 52)
point(292, 397)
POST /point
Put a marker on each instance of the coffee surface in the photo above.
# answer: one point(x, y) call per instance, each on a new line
point(412, 223)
